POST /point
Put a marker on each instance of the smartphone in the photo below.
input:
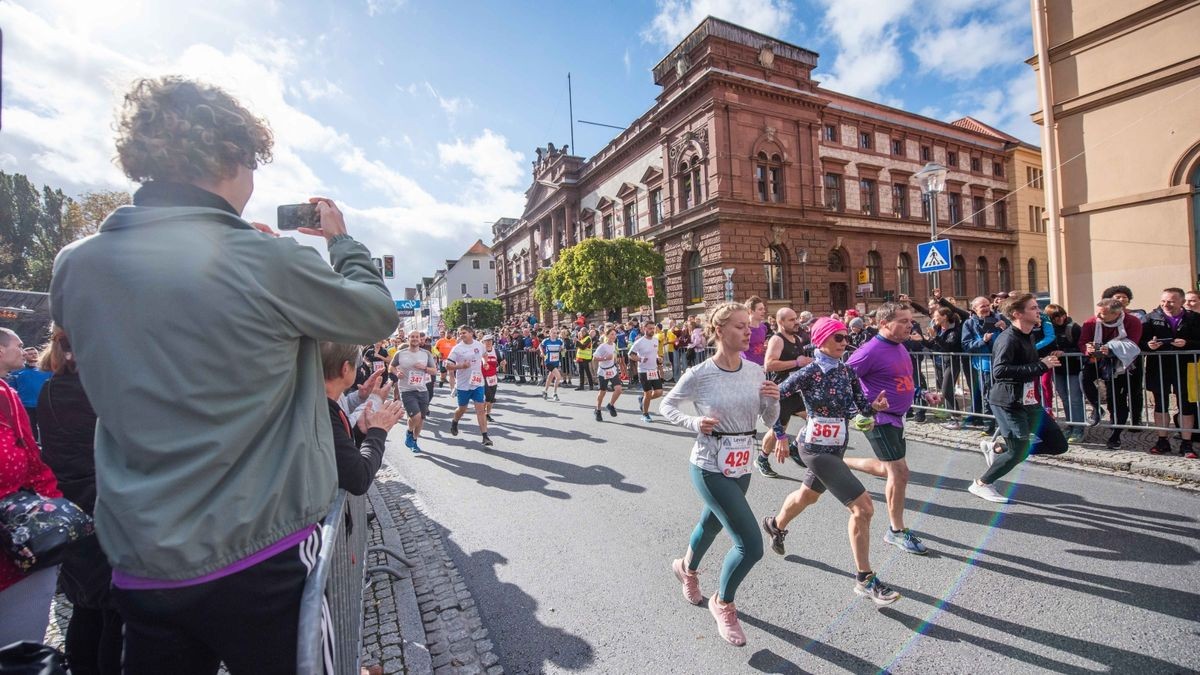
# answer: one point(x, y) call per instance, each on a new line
point(296, 216)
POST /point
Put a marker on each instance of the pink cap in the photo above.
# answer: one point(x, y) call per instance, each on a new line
point(824, 327)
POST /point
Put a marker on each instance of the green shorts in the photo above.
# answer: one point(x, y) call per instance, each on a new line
point(888, 442)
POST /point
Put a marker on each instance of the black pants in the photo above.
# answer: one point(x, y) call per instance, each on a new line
point(1018, 425)
point(585, 373)
point(248, 620)
point(94, 640)
point(1119, 392)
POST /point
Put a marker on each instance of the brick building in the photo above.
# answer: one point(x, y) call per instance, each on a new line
point(745, 162)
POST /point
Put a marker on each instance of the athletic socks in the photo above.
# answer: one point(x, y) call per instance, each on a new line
point(863, 576)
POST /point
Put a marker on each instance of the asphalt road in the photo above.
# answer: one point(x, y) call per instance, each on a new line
point(565, 531)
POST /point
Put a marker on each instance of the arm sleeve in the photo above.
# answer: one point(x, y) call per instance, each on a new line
point(972, 339)
point(356, 468)
point(1004, 368)
point(1086, 333)
point(769, 411)
point(1048, 333)
point(860, 399)
point(684, 390)
point(791, 385)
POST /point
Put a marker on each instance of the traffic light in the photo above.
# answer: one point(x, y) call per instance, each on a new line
point(389, 267)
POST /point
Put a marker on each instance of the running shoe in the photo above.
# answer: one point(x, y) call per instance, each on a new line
point(487, 441)
point(690, 583)
point(646, 417)
point(612, 410)
point(879, 593)
point(727, 622)
point(988, 447)
point(1114, 440)
point(954, 425)
point(986, 492)
point(1075, 436)
point(1097, 414)
point(794, 454)
point(556, 397)
point(764, 466)
point(453, 427)
point(599, 415)
point(906, 540)
point(408, 439)
point(489, 418)
point(777, 535)
point(1161, 447)
point(545, 395)
point(415, 448)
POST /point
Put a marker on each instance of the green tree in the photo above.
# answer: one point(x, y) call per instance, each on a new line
point(599, 274)
point(484, 314)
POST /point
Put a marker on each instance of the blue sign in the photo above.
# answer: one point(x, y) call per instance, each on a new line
point(408, 304)
point(933, 256)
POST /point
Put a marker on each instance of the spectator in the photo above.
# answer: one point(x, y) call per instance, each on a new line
point(1191, 301)
point(1067, 381)
point(211, 479)
point(358, 459)
point(1136, 373)
point(68, 430)
point(1109, 340)
point(949, 365)
point(24, 598)
point(28, 381)
point(977, 335)
point(1167, 330)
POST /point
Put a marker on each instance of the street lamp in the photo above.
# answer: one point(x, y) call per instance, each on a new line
point(932, 179)
point(803, 255)
point(467, 297)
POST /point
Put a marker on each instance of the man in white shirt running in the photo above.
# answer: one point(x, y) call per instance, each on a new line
point(466, 362)
point(644, 352)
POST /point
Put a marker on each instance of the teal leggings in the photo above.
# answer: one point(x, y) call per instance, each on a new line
point(725, 507)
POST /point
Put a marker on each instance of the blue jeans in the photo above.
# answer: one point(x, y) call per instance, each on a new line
point(1018, 425)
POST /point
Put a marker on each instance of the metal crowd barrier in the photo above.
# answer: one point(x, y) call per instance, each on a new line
point(329, 639)
point(1071, 394)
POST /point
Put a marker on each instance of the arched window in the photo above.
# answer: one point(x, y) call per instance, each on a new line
point(695, 279)
point(773, 271)
point(837, 260)
point(904, 273)
point(875, 273)
point(1031, 272)
point(768, 177)
point(981, 276)
point(1005, 275)
point(959, 275)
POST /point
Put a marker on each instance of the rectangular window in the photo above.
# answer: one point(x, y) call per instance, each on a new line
point(474, 264)
point(998, 169)
point(897, 147)
point(685, 192)
point(1036, 224)
point(777, 184)
point(831, 133)
point(864, 140)
point(976, 164)
point(607, 226)
point(1033, 176)
point(760, 178)
point(491, 264)
point(955, 201)
point(925, 206)
point(656, 214)
point(485, 289)
point(462, 289)
point(1001, 214)
point(870, 204)
point(952, 159)
point(631, 224)
point(978, 212)
point(833, 192)
point(900, 200)
point(926, 153)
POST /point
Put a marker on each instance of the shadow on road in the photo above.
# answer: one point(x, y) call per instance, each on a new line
point(489, 476)
point(773, 663)
point(565, 472)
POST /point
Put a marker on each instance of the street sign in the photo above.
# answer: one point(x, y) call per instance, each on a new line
point(728, 271)
point(934, 256)
point(650, 287)
point(408, 304)
point(865, 288)
point(864, 276)
point(404, 313)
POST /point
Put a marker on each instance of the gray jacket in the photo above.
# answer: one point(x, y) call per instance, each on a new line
point(196, 338)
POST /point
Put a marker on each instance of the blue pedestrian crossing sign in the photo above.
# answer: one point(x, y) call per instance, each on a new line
point(934, 256)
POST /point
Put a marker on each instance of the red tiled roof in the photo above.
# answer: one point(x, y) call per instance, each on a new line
point(479, 248)
point(978, 127)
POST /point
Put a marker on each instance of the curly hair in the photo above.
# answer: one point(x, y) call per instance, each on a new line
point(175, 129)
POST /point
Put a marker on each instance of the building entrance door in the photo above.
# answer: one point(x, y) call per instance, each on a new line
point(839, 297)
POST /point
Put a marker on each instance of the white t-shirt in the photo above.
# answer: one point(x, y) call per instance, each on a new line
point(469, 378)
point(647, 350)
point(605, 358)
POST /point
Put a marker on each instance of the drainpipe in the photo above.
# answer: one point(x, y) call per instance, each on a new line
point(1051, 176)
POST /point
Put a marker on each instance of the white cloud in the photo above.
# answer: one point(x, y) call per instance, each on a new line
point(451, 106)
point(626, 61)
point(677, 18)
point(495, 167)
point(377, 7)
point(1009, 106)
point(867, 33)
point(963, 51)
point(314, 90)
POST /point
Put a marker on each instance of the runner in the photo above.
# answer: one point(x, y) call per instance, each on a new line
point(759, 330)
point(1016, 370)
point(730, 394)
point(491, 379)
point(610, 372)
point(443, 346)
point(644, 352)
point(552, 349)
point(414, 368)
point(465, 363)
point(832, 394)
point(884, 366)
point(784, 356)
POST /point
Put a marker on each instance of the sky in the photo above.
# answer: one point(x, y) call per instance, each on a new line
point(420, 118)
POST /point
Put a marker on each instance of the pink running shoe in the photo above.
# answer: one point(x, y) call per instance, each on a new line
point(691, 582)
point(727, 622)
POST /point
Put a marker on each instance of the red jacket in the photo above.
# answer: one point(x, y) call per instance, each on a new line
point(21, 465)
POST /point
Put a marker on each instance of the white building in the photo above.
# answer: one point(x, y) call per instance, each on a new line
point(473, 275)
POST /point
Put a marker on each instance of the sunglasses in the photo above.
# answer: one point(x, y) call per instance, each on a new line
point(840, 337)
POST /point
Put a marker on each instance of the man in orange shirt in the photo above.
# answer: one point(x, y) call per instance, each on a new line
point(443, 347)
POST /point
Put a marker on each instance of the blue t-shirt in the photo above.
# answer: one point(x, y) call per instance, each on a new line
point(28, 383)
point(552, 349)
point(621, 344)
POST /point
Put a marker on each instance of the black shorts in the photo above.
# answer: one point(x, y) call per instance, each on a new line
point(1162, 383)
point(610, 383)
point(489, 393)
point(829, 470)
point(415, 402)
point(888, 442)
point(789, 406)
point(648, 384)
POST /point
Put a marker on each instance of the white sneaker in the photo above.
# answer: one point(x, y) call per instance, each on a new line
point(988, 447)
point(987, 492)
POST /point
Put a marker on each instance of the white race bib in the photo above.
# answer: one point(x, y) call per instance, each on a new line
point(491, 380)
point(476, 380)
point(608, 373)
point(1029, 394)
point(377, 366)
point(734, 455)
point(830, 431)
point(651, 374)
point(416, 378)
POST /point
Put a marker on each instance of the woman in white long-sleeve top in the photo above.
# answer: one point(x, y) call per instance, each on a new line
point(730, 395)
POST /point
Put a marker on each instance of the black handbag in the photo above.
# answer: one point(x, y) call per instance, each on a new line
point(35, 530)
point(31, 658)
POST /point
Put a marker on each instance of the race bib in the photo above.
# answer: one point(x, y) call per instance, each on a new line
point(491, 380)
point(651, 374)
point(377, 366)
point(608, 373)
point(416, 378)
point(734, 455)
point(1029, 394)
point(829, 431)
point(476, 380)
